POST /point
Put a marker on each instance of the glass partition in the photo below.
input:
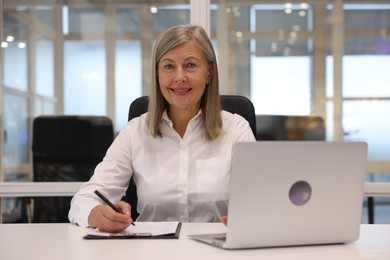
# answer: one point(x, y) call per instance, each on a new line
point(93, 57)
point(44, 67)
point(15, 53)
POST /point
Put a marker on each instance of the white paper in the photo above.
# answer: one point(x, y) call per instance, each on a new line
point(152, 228)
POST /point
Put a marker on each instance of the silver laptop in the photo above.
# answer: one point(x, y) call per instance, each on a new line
point(293, 193)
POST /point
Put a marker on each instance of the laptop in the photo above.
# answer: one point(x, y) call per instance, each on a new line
point(290, 193)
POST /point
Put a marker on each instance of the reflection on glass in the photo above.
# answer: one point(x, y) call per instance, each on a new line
point(38, 106)
point(367, 48)
point(15, 54)
point(364, 120)
point(16, 143)
point(376, 80)
point(329, 121)
point(281, 85)
point(85, 78)
point(374, 83)
point(128, 79)
point(88, 20)
point(49, 107)
point(44, 107)
point(266, 52)
point(366, 16)
point(45, 15)
point(367, 121)
point(44, 66)
point(128, 20)
point(287, 22)
point(170, 16)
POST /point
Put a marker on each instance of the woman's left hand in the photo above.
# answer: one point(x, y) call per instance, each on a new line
point(224, 220)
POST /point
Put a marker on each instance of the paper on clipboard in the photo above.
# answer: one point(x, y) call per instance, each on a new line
point(141, 229)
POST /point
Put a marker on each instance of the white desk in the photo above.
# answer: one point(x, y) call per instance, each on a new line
point(53, 189)
point(39, 189)
point(64, 242)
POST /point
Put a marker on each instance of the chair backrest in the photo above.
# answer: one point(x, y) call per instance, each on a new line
point(232, 103)
point(290, 127)
point(66, 148)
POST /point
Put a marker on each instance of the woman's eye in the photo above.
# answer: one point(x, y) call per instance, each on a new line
point(191, 65)
point(168, 66)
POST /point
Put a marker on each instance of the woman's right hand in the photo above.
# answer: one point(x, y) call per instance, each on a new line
point(106, 219)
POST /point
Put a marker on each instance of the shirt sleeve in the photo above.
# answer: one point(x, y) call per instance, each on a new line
point(243, 132)
point(111, 177)
point(79, 214)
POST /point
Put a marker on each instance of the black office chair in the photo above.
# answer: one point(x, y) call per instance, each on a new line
point(290, 128)
point(232, 103)
point(66, 148)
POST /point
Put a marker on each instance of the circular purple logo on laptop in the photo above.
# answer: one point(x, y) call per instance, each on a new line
point(300, 193)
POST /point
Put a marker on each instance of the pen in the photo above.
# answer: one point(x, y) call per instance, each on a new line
point(109, 203)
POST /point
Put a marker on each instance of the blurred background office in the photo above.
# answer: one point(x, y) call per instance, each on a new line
point(92, 57)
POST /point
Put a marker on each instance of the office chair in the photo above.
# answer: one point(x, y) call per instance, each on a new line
point(66, 148)
point(290, 128)
point(231, 103)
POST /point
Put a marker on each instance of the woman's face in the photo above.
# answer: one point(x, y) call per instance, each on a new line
point(183, 73)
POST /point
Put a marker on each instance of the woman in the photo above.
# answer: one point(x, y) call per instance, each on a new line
point(179, 153)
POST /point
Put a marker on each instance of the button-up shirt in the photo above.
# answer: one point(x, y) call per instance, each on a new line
point(178, 179)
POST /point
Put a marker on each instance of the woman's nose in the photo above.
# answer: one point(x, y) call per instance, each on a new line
point(180, 75)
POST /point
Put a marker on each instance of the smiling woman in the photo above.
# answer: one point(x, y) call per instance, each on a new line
point(185, 139)
point(90, 58)
point(187, 56)
point(183, 74)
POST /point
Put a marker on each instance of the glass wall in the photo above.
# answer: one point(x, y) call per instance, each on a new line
point(282, 57)
point(93, 58)
point(15, 101)
point(104, 40)
point(79, 58)
point(366, 82)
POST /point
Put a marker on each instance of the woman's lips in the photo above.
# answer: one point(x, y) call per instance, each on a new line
point(181, 90)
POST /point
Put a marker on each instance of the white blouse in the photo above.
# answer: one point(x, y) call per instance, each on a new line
point(178, 179)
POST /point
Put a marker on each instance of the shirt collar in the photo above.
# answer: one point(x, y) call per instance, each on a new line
point(166, 118)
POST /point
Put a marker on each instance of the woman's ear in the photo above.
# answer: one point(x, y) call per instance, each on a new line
point(208, 79)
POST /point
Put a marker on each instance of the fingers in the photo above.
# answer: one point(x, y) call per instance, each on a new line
point(112, 221)
point(106, 219)
point(124, 207)
point(224, 220)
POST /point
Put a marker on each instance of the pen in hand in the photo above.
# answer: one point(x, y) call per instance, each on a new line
point(109, 203)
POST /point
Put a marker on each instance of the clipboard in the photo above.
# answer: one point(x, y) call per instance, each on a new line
point(128, 234)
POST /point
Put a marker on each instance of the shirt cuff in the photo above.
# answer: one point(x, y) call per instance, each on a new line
point(82, 218)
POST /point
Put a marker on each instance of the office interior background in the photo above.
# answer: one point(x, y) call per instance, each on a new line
point(92, 57)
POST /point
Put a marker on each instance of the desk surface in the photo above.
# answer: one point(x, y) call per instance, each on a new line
point(51, 189)
point(64, 241)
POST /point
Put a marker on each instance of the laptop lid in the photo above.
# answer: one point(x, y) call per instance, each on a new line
point(295, 193)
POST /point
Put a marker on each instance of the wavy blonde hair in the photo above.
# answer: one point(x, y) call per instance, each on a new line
point(210, 104)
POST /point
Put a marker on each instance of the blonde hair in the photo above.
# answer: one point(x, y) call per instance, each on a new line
point(210, 104)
